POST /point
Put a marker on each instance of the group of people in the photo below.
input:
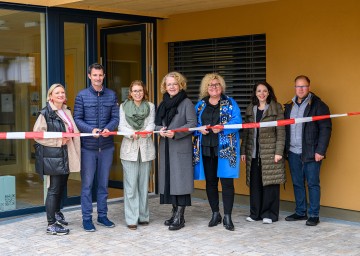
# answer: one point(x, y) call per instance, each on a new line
point(211, 153)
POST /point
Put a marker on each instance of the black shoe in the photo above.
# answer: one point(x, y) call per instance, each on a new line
point(215, 219)
point(312, 221)
point(295, 217)
point(59, 216)
point(227, 222)
point(169, 221)
point(179, 221)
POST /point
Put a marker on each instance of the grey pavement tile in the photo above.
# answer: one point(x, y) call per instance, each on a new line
point(27, 236)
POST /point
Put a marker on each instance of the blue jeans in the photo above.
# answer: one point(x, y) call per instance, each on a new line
point(99, 162)
point(309, 172)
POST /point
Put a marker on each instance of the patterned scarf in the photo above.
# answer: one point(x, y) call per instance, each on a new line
point(227, 143)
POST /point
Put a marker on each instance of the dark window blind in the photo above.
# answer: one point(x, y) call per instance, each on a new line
point(240, 60)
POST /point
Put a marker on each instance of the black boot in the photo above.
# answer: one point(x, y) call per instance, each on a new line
point(169, 221)
point(227, 222)
point(215, 219)
point(179, 221)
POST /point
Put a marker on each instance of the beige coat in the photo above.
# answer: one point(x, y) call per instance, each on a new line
point(130, 147)
point(73, 145)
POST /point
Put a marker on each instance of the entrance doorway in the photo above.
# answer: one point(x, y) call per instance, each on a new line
point(126, 53)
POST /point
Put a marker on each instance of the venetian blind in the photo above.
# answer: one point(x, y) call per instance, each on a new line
point(240, 60)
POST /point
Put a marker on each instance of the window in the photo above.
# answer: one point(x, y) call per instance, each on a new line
point(22, 89)
point(240, 60)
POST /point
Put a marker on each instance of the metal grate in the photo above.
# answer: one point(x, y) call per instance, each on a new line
point(240, 60)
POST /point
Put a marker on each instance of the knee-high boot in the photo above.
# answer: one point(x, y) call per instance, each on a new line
point(179, 220)
point(169, 221)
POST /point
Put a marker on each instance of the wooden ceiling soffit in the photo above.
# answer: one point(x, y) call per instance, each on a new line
point(43, 2)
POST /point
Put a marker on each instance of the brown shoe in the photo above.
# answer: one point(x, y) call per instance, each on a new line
point(143, 223)
point(132, 227)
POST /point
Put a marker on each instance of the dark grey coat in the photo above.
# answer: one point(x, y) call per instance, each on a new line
point(271, 143)
point(180, 152)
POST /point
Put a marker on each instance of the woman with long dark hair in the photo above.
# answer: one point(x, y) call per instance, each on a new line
point(262, 150)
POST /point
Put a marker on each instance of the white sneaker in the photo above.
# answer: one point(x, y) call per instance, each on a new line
point(249, 219)
point(267, 221)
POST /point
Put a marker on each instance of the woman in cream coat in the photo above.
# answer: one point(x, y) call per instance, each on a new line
point(137, 152)
point(62, 154)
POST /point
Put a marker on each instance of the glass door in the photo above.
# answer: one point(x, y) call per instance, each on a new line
point(126, 53)
point(74, 41)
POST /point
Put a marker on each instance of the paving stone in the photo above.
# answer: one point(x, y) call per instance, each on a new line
point(27, 235)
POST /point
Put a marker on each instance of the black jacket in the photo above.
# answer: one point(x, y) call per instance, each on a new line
point(51, 160)
point(316, 134)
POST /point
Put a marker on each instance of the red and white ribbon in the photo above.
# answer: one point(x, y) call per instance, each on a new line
point(57, 135)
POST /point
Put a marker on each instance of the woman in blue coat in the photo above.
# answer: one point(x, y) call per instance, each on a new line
point(217, 151)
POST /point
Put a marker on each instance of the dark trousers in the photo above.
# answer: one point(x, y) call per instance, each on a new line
point(54, 195)
point(212, 181)
point(99, 163)
point(264, 200)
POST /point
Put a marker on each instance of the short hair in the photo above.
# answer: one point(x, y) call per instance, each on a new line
point(302, 77)
point(96, 66)
point(180, 79)
point(52, 88)
point(138, 82)
point(206, 81)
point(255, 100)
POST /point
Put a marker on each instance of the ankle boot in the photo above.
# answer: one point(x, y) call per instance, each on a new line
point(215, 219)
point(227, 222)
point(169, 221)
point(179, 221)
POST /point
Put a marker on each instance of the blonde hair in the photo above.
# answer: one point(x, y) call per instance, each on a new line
point(52, 88)
point(206, 81)
point(180, 79)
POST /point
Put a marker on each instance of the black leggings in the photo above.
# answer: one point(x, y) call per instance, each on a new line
point(54, 195)
point(212, 180)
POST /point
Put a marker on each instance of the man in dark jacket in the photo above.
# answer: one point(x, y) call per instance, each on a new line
point(96, 111)
point(305, 146)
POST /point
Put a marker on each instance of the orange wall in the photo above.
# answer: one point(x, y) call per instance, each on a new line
point(318, 38)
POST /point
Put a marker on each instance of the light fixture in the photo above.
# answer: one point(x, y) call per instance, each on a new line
point(30, 24)
point(3, 26)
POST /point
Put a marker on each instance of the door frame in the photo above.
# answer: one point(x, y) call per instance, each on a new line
point(104, 32)
point(56, 54)
point(124, 29)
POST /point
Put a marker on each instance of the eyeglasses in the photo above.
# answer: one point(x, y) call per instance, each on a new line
point(137, 92)
point(174, 85)
point(214, 85)
point(301, 86)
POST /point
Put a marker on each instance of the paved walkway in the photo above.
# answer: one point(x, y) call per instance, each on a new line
point(26, 235)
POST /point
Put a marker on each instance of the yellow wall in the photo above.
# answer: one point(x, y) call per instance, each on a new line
point(320, 39)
